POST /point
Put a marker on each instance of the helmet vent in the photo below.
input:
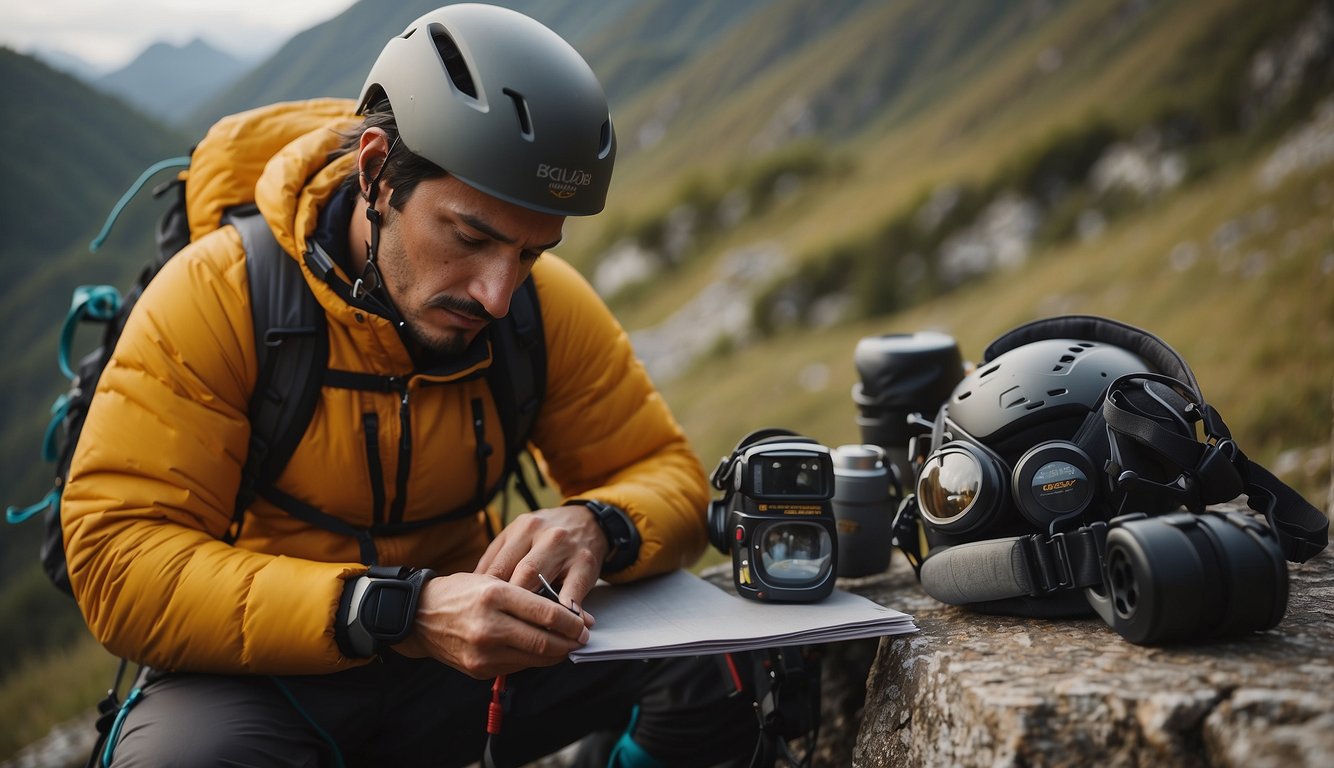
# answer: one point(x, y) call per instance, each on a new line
point(1056, 392)
point(1067, 358)
point(521, 110)
point(604, 141)
point(452, 59)
point(1035, 405)
point(988, 371)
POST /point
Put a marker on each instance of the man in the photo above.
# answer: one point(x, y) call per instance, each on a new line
point(417, 220)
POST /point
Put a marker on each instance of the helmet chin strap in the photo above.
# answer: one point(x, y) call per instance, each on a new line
point(370, 274)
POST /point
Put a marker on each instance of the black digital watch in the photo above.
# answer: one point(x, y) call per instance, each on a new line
point(378, 609)
point(622, 535)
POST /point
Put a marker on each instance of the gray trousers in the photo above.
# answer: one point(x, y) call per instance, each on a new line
point(410, 712)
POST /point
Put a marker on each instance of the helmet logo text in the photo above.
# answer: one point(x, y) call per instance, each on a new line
point(563, 182)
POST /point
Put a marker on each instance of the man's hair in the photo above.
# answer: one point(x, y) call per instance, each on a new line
point(403, 170)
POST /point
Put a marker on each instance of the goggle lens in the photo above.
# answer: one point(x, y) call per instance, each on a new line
point(948, 485)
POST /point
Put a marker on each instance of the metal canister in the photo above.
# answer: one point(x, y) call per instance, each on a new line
point(865, 499)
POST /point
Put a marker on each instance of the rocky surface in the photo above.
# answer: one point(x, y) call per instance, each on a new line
point(970, 689)
point(985, 690)
point(68, 745)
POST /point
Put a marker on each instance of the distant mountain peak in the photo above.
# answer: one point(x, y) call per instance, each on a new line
point(198, 48)
point(169, 81)
point(69, 63)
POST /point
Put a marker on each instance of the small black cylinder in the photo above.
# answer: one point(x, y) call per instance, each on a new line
point(902, 374)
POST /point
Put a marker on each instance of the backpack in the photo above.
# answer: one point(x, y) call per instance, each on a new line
point(292, 349)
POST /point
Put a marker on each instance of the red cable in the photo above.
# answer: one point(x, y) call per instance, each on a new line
point(495, 712)
point(736, 677)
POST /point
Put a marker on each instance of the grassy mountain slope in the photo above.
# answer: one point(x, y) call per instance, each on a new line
point(80, 150)
point(993, 107)
point(74, 151)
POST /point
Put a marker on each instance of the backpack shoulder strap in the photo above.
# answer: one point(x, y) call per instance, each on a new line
point(293, 352)
point(518, 376)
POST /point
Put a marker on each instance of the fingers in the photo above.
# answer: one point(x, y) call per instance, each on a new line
point(548, 591)
point(502, 555)
point(563, 544)
point(510, 547)
point(537, 635)
point(577, 582)
point(483, 626)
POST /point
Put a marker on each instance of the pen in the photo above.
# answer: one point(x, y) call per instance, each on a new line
point(549, 592)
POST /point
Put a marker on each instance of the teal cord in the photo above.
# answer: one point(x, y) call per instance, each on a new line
point(59, 409)
point(323, 734)
point(627, 753)
point(152, 170)
point(97, 302)
point(113, 735)
point(15, 515)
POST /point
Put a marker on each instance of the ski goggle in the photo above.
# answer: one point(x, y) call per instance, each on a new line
point(964, 485)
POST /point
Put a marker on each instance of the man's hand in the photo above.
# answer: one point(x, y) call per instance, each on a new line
point(492, 621)
point(563, 544)
point(484, 627)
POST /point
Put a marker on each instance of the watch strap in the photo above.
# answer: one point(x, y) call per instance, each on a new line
point(378, 609)
point(622, 536)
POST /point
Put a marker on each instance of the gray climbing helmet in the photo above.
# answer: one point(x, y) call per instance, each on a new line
point(501, 102)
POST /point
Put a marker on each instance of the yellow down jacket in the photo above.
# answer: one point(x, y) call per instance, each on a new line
point(153, 483)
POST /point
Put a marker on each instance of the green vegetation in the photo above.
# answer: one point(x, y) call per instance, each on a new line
point(61, 684)
point(716, 204)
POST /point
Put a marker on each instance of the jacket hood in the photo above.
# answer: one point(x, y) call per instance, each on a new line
point(299, 178)
point(267, 156)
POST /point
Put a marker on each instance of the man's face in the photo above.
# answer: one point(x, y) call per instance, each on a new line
point(453, 257)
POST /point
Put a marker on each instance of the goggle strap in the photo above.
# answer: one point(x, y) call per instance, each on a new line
point(1180, 450)
point(1208, 471)
point(908, 535)
point(1301, 529)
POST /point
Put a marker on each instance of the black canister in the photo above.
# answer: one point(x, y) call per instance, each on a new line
point(902, 374)
point(865, 499)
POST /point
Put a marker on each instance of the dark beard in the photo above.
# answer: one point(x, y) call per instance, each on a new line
point(436, 349)
point(456, 343)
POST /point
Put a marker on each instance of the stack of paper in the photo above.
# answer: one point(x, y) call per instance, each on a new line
point(682, 615)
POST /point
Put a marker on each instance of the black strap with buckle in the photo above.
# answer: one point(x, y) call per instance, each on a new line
point(378, 609)
point(622, 536)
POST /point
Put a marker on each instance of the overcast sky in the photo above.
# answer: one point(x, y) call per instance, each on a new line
point(110, 33)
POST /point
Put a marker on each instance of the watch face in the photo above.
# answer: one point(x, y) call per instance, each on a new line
point(380, 609)
point(384, 609)
point(621, 535)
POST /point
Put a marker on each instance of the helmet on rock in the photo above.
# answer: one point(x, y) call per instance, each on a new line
point(1073, 471)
